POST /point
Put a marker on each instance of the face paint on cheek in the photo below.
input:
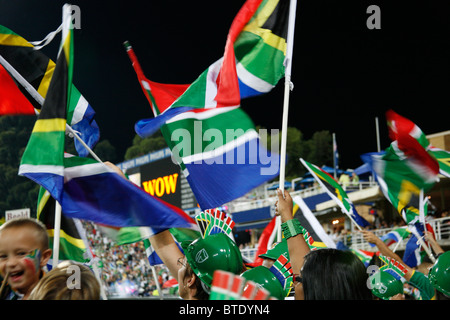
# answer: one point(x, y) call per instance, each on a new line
point(33, 260)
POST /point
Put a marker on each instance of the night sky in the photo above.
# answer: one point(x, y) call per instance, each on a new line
point(344, 74)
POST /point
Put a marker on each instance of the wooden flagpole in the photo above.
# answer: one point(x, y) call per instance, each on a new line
point(288, 86)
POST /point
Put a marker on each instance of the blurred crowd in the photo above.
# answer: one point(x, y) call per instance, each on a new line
point(125, 270)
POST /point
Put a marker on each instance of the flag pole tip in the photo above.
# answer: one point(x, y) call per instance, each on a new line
point(127, 44)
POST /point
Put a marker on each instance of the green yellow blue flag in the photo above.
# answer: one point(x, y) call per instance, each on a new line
point(336, 192)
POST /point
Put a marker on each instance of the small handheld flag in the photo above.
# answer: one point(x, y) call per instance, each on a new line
point(282, 270)
point(228, 286)
point(214, 221)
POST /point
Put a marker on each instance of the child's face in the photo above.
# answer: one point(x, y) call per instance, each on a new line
point(20, 256)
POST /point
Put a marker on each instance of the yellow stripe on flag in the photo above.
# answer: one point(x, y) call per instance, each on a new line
point(13, 40)
point(49, 125)
point(294, 209)
point(74, 241)
point(43, 86)
point(42, 203)
point(255, 26)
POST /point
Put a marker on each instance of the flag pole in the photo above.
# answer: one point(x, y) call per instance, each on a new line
point(422, 204)
point(377, 129)
point(58, 209)
point(335, 160)
point(56, 234)
point(397, 245)
point(288, 86)
point(414, 231)
point(74, 133)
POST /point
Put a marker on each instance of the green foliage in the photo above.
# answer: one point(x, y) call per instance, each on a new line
point(320, 149)
point(106, 151)
point(317, 150)
point(143, 146)
point(16, 192)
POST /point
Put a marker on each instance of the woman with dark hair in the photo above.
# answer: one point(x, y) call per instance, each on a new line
point(323, 274)
point(331, 274)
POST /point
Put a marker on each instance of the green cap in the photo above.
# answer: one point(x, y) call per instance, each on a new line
point(214, 252)
point(385, 285)
point(264, 278)
point(439, 274)
point(277, 249)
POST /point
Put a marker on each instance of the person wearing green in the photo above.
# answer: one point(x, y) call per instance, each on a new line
point(384, 285)
point(439, 275)
point(274, 253)
point(413, 277)
point(194, 269)
point(214, 252)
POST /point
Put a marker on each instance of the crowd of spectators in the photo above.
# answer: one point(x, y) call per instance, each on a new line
point(125, 270)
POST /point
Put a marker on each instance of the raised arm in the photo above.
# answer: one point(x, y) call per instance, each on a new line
point(385, 251)
point(166, 248)
point(163, 242)
point(297, 246)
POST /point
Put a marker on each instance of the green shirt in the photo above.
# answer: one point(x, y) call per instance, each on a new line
point(421, 282)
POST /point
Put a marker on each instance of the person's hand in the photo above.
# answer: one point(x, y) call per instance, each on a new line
point(429, 237)
point(398, 296)
point(115, 169)
point(369, 236)
point(284, 205)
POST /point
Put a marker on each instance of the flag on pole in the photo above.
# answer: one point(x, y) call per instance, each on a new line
point(85, 188)
point(395, 236)
point(335, 191)
point(252, 64)
point(72, 245)
point(414, 250)
point(406, 168)
point(409, 142)
point(43, 159)
point(31, 72)
point(208, 109)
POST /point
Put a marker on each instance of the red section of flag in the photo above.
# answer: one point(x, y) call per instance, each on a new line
point(227, 81)
point(262, 243)
point(402, 130)
point(12, 101)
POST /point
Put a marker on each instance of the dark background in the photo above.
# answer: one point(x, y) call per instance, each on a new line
point(344, 74)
